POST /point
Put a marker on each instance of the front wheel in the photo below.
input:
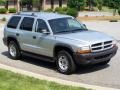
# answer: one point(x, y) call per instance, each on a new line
point(65, 63)
point(14, 50)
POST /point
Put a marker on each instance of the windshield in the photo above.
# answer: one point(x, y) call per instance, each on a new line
point(63, 25)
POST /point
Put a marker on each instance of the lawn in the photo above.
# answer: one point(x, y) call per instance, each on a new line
point(13, 81)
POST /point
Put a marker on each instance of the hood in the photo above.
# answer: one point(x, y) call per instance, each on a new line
point(89, 36)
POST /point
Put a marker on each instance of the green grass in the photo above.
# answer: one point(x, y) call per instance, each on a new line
point(13, 81)
point(107, 9)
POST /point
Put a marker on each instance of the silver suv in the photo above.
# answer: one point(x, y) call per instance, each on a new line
point(57, 38)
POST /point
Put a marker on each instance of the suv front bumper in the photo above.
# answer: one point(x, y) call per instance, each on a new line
point(96, 57)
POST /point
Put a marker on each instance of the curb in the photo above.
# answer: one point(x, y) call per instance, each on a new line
point(60, 81)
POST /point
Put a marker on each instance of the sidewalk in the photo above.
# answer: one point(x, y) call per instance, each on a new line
point(7, 16)
point(82, 14)
point(60, 81)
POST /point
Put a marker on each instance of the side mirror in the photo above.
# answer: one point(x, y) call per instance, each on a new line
point(45, 31)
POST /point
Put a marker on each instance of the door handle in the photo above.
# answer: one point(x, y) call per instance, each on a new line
point(17, 34)
point(34, 37)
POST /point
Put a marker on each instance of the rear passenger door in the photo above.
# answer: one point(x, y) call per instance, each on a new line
point(26, 37)
point(12, 27)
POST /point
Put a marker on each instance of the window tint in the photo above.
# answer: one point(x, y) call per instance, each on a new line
point(13, 23)
point(27, 24)
point(41, 25)
point(66, 25)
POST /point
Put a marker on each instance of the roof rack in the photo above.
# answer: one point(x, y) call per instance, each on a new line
point(26, 13)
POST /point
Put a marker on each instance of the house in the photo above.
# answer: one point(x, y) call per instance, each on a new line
point(36, 5)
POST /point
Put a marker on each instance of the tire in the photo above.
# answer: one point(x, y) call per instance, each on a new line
point(65, 63)
point(104, 63)
point(14, 50)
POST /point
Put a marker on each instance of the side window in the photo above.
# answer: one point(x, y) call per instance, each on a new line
point(41, 25)
point(13, 23)
point(27, 24)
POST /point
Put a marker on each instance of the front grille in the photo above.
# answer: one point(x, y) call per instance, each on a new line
point(101, 46)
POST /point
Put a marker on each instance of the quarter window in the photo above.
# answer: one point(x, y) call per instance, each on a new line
point(27, 24)
point(13, 23)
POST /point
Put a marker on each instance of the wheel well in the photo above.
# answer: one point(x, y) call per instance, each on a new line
point(59, 48)
point(12, 39)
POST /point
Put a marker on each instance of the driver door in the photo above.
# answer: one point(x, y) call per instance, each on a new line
point(43, 41)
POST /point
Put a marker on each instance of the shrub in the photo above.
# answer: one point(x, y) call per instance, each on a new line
point(119, 10)
point(12, 10)
point(3, 10)
point(3, 19)
point(100, 7)
point(65, 8)
point(49, 10)
point(57, 9)
point(60, 10)
point(72, 11)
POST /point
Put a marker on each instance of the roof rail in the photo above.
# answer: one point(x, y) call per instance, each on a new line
point(26, 13)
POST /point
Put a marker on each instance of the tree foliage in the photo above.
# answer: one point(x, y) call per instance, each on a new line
point(78, 4)
point(2, 2)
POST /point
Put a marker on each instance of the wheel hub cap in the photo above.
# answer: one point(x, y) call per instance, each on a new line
point(12, 50)
point(63, 63)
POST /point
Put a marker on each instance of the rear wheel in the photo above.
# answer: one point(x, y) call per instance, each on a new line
point(65, 63)
point(14, 50)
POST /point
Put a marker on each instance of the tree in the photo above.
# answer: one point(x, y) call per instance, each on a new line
point(99, 4)
point(78, 4)
point(27, 3)
point(116, 5)
point(4, 2)
point(91, 4)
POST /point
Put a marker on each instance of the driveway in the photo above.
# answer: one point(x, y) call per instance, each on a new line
point(108, 76)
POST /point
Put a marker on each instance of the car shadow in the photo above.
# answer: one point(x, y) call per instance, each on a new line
point(50, 65)
point(90, 68)
point(33, 61)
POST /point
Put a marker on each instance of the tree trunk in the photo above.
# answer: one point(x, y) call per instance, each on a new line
point(90, 5)
point(6, 5)
point(114, 12)
point(52, 4)
point(14, 3)
point(40, 5)
point(18, 5)
point(60, 3)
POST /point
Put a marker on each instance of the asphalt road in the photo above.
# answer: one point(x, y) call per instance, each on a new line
point(108, 76)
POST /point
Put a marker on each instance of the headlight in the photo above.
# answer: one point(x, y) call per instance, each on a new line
point(83, 50)
point(114, 42)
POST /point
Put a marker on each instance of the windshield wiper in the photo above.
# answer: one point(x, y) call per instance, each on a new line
point(63, 31)
point(79, 30)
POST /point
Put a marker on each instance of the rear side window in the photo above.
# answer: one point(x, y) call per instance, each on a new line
point(27, 24)
point(13, 23)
